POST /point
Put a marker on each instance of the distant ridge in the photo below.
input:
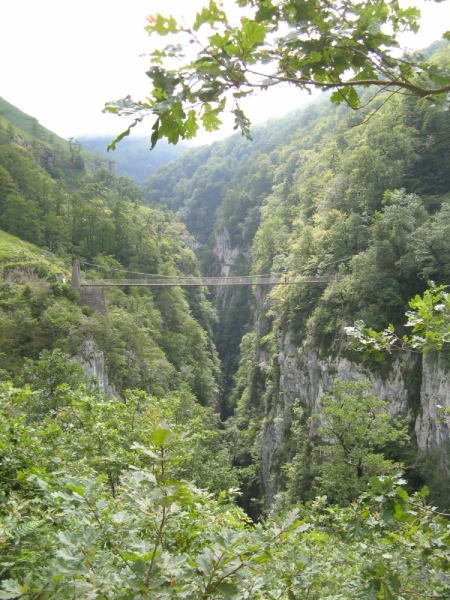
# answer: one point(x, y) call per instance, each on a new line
point(27, 123)
point(31, 130)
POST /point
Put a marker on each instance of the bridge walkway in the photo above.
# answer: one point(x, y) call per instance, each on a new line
point(158, 280)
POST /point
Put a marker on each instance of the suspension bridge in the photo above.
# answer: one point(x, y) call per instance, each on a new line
point(185, 281)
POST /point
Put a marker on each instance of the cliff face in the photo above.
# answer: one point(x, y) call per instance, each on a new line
point(415, 387)
point(227, 254)
point(43, 154)
point(108, 164)
point(431, 430)
point(93, 363)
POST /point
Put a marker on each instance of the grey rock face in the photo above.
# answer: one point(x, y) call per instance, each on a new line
point(435, 392)
point(108, 164)
point(226, 253)
point(93, 363)
point(306, 376)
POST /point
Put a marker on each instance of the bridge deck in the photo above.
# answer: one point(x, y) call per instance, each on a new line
point(210, 281)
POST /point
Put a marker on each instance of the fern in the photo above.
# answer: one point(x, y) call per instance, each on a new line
point(11, 589)
point(26, 528)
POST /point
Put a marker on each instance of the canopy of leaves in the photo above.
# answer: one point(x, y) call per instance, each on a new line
point(155, 340)
point(94, 504)
point(335, 45)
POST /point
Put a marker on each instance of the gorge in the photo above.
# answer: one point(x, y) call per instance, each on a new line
point(193, 417)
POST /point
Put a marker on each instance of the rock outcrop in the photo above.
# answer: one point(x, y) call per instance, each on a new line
point(415, 387)
point(93, 363)
point(226, 253)
point(103, 163)
point(431, 429)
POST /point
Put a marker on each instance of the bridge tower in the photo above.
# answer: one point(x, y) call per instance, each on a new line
point(76, 275)
point(94, 297)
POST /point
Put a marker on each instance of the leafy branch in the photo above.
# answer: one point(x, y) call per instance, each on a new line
point(429, 321)
point(333, 45)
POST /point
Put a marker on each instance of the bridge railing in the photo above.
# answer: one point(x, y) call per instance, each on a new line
point(159, 280)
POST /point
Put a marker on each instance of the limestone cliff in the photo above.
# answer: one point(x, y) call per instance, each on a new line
point(414, 386)
point(227, 254)
point(431, 431)
point(93, 362)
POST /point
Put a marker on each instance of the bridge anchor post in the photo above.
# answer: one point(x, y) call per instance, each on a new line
point(76, 275)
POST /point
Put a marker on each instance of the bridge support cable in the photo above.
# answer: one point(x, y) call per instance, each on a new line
point(184, 281)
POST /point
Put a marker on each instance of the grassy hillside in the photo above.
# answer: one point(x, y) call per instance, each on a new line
point(32, 131)
point(52, 209)
point(14, 251)
point(28, 125)
point(22, 262)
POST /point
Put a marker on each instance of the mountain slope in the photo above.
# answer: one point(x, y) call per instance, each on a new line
point(364, 195)
point(133, 156)
point(157, 340)
point(31, 133)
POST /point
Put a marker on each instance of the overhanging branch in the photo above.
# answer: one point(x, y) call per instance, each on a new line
point(417, 90)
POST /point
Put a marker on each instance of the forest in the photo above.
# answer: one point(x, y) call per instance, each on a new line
point(265, 442)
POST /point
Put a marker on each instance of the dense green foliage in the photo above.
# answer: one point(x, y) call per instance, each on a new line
point(195, 183)
point(95, 502)
point(356, 426)
point(429, 322)
point(154, 340)
point(338, 45)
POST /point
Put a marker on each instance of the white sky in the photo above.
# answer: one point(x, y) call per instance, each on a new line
point(61, 61)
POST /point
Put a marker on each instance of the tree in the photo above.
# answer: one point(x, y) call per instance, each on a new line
point(56, 232)
point(21, 217)
point(65, 533)
point(334, 45)
point(357, 426)
point(7, 186)
point(429, 321)
point(50, 375)
point(432, 242)
point(76, 160)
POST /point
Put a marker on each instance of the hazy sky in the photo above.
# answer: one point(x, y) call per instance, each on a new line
point(61, 61)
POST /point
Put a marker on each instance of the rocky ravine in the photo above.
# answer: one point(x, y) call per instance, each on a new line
point(415, 387)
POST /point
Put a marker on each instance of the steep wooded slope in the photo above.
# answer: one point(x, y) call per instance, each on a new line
point(369, 190)
point(195, 182)
point(156, 340)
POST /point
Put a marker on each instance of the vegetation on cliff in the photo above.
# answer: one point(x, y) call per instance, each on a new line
point(154, 340)
point(137, 495)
